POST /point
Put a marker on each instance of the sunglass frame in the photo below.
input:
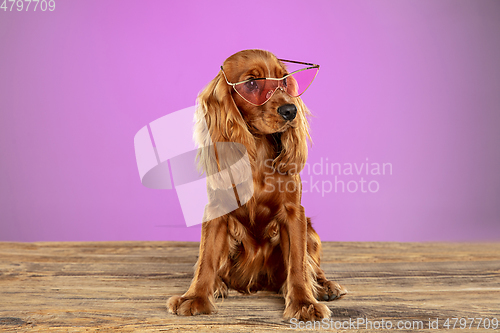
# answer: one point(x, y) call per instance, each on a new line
point(311, 66)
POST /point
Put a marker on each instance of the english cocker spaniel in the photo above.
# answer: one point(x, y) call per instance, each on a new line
point(267, 242)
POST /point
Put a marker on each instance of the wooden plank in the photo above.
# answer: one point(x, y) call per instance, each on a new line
point(105, 286)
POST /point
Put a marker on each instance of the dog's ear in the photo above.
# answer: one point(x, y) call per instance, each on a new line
point(293, 154)
point(217, 119)
point(224, 122)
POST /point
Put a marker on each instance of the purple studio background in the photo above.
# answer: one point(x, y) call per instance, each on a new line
point(412, 83)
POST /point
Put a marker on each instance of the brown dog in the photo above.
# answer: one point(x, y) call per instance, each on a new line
point(267, 243)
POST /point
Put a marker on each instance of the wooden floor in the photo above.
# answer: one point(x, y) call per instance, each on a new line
point(123, 287)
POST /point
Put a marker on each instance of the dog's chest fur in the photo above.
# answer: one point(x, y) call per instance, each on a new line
point(274, 193)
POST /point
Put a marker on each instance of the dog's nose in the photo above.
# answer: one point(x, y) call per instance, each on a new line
point(288, 111)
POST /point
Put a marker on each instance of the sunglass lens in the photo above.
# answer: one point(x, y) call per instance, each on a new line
point(298, 82)
point(256, 91)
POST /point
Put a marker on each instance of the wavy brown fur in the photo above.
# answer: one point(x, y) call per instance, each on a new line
point(268, 243)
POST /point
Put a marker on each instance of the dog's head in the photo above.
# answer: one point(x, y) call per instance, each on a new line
point(279, 112)
point(238, 105)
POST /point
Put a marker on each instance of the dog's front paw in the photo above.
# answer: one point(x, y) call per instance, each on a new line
point(330, 291)
point(306, 311)
point(190, 305)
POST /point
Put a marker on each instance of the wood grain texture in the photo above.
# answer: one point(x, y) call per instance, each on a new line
point(123, 286)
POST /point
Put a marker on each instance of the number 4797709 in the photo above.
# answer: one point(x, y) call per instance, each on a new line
point(21, 5)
